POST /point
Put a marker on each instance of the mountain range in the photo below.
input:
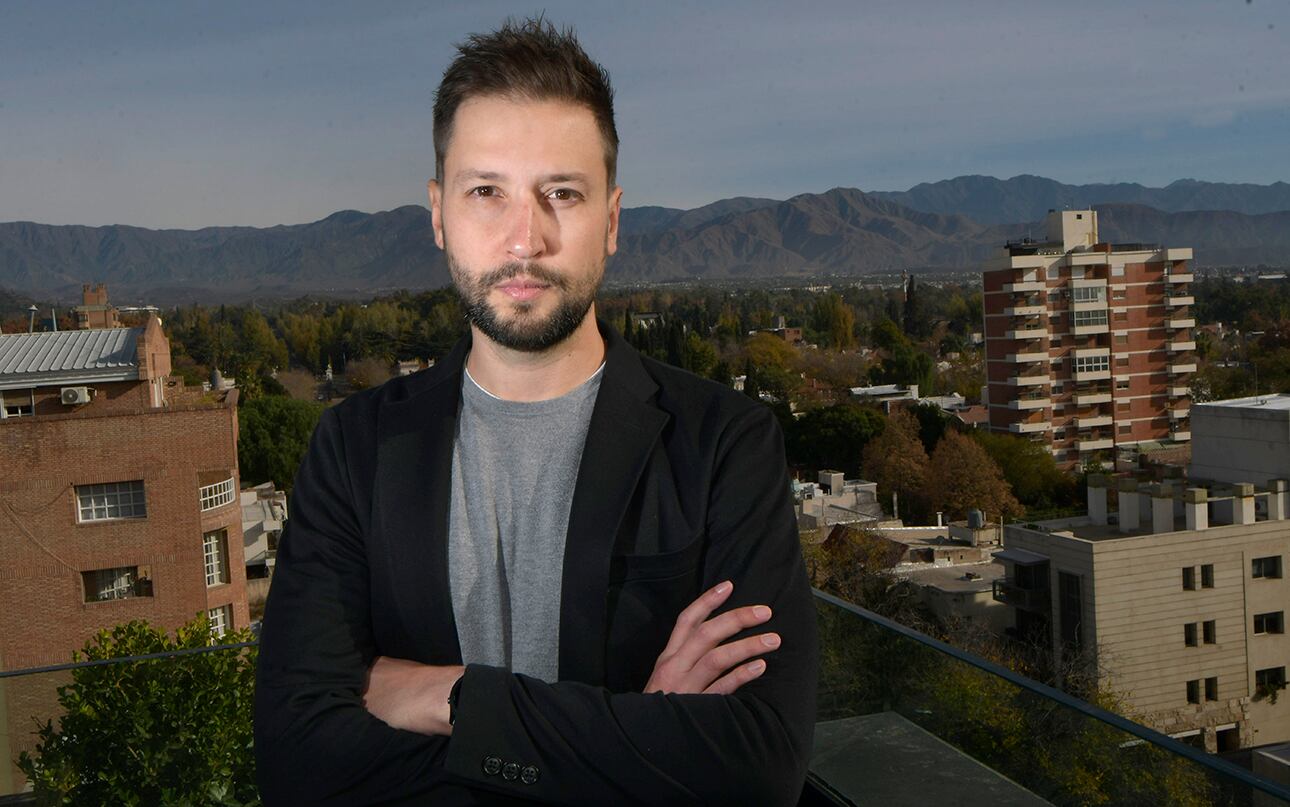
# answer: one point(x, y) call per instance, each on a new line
point(952, 225)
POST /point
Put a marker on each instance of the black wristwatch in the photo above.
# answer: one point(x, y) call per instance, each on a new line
point(453, 695)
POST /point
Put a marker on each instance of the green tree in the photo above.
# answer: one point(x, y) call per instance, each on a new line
point(832, 437)
point(835, 320)
point(273, 435)
point(1029, 469)
point(163, 731)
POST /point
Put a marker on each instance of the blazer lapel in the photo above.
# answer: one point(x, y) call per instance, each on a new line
point(415, 485)
point(623, 431)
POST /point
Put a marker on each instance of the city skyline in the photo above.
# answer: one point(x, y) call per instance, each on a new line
point(248, 115)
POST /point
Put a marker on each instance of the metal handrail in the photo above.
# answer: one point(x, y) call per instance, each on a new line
point(1216, 764)
point(75, 665)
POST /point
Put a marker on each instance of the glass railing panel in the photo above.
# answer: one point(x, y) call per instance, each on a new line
point(1062, 750)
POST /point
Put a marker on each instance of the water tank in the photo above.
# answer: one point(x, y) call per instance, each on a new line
point(976, 519)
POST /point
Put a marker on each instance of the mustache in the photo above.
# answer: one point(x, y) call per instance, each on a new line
point(512, 269)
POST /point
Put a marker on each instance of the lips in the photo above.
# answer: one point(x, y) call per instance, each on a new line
point(521, 288)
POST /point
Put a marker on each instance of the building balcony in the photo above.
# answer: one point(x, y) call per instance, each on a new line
point(1026, 308)
point(1095, 444)
point(1178, 254)
point(1029, 403)
point(892, 721)
point(1090, 398)
point(1174, 300)
point(1180, 436)
point(1028, 599)
point(1179, 277)
point(1179, 391)
point(1180, 413)
point(1029, 427)
point(1182, 367)
point(1025, 287)
point(1030, 379)
point(1022, 358)
point(1085, 330)
point(1178, 323)
point(1040, 332)
point(1179, 347)
point(1093, 375)
point(1091, 421)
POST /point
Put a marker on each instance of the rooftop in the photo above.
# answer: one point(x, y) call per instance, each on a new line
point(101, 354)
point(1279, 402)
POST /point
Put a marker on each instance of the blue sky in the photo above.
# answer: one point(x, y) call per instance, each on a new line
point(184, 114)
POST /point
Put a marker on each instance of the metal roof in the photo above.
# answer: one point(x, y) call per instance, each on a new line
point(99, 354)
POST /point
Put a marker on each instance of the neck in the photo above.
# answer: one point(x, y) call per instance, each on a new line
point(517, 375)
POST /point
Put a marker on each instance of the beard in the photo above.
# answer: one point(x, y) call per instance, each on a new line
point(525, 329)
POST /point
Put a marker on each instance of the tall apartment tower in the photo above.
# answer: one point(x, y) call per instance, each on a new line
point(118, 501)
point(1089, 345)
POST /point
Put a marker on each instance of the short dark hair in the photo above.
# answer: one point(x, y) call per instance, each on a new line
point(531, 60)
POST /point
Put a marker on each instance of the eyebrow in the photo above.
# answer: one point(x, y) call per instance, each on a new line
point(472, 174)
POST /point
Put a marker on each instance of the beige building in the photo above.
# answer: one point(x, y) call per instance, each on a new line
point(1179, 591)
point(1089, 345)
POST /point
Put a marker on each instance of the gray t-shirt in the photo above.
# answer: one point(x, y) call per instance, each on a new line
point(514, 467)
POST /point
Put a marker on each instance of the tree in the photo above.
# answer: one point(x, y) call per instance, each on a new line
point(163, 731)
point(962, 477)
point(273, 435)
point(836, 321)
point(766, 350)
point(832, 437)
point(1029, 468)
point(897, 462)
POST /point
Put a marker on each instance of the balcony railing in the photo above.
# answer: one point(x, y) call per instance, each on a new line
point(1027, 599)
point(902, 719)
point(217, 495)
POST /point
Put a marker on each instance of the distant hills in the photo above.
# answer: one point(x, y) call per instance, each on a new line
point(945, 226)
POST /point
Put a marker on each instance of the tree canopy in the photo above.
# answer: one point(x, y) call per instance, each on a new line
point(897, 462)
point(273, 433)
point(963, 477)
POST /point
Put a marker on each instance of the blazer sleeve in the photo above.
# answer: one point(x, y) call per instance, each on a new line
point(578, 744)
point(315, 743)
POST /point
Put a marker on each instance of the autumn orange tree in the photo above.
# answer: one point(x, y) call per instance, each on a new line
point(898, 463)
point(962, 477)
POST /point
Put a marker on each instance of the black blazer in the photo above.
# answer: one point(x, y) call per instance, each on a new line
point(682, 485)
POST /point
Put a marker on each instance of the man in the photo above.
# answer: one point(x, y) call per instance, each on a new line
point(547, 568)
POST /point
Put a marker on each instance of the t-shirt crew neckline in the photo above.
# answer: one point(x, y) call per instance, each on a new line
point(493, 403)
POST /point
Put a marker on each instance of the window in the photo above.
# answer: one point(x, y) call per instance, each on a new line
point(112, 500)
point(1270, 680)
point(215, 548)
point(1077, 272)
point(18, 403)
point(1189, 634)
point(1119, 294)
point(1070, 603)
point(1189, 578)
point(1122, 384)
point(1053, 272)
point(1059, 434)
point(1193, 691)
point(221, 620)
point(1121, 361)
point(1209, 631)
point(1122, 339)
point(1207, 576)
point(1126, 428)
point(216, 495)
point(1117, 271)
point(120, 583)
point(1121, 316)
point(1088, 294)
point(1095, 317)
point(1211, 688)
point(1266, 567)
point(1273, 622)
point(1092, 364)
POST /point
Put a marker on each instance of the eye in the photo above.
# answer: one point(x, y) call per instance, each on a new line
point(483, 191)
point(564, 195)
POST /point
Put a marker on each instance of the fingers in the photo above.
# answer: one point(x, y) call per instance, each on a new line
point(731, 681)
point(716, 630)
point(695, 613)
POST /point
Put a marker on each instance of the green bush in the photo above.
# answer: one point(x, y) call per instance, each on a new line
point(173, 731)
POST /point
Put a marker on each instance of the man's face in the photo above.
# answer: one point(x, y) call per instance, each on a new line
point(525, 217)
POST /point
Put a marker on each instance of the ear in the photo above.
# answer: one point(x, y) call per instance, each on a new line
point(436, 211)
point(615, 209)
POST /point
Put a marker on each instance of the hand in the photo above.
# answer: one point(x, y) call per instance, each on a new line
point(695, 661)
point(411, 696)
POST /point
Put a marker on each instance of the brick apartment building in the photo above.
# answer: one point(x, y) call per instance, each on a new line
point(1089, 345)
point(118, 501)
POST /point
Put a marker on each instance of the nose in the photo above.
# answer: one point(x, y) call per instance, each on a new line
point(525, 238)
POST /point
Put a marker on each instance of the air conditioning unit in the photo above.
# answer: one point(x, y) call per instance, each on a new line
point(75, 396)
